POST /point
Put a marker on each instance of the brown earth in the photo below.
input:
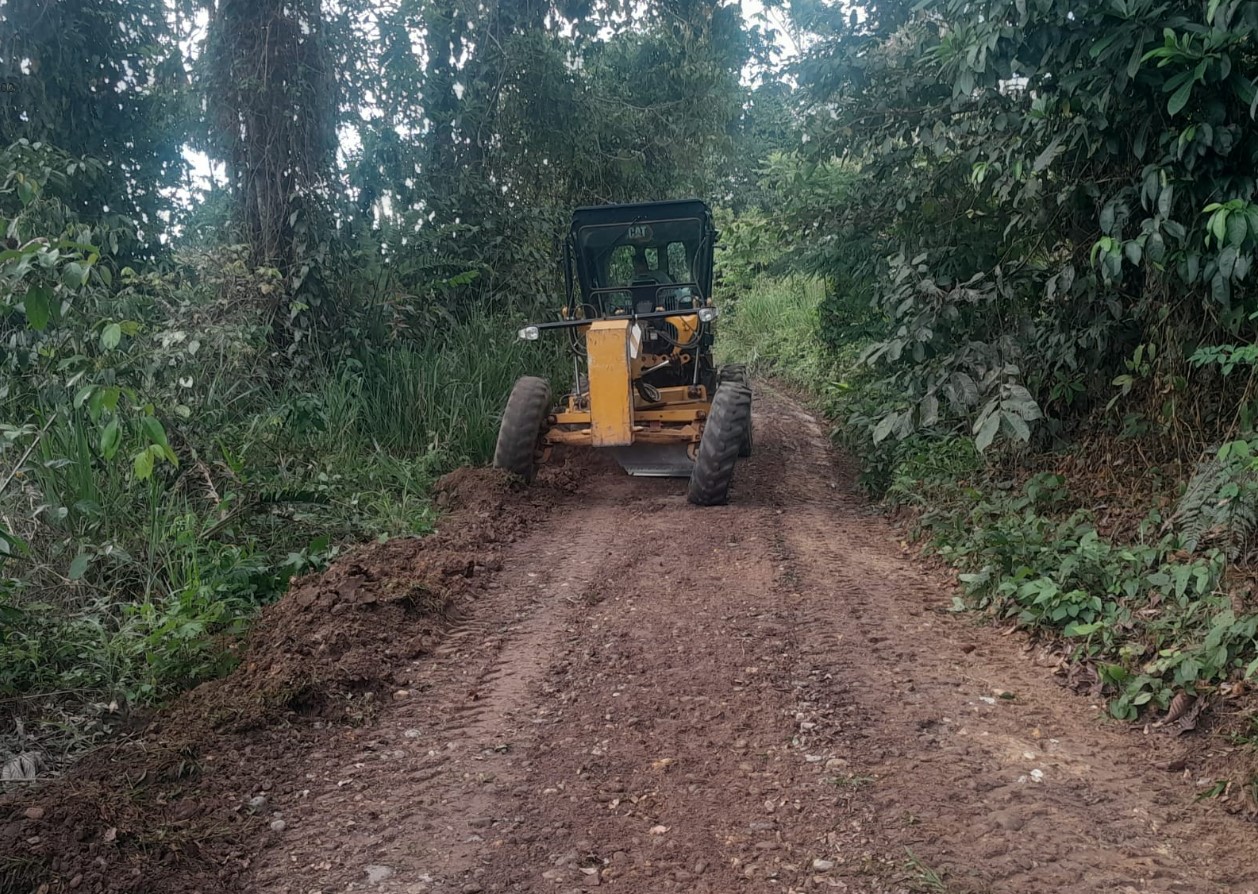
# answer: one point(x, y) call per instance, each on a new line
point(636, 694)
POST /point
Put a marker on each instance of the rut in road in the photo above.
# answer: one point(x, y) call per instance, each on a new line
point(766, 696)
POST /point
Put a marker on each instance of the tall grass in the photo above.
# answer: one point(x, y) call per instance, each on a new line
point(774, 329)
point(444, 398)
point(125, 585)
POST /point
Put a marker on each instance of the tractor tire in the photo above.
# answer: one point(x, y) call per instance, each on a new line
point(724, 434)
point(523, 422)
point(737, 373)
point(733, 372)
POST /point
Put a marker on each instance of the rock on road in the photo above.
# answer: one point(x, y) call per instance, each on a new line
point(765, 696)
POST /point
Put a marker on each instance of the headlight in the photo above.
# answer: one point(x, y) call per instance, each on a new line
point(529, 333)
point(708, 314)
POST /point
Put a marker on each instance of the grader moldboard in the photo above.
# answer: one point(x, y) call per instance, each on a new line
point(639, 317)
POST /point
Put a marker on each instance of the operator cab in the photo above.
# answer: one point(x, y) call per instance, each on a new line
point(647, 258)
point(634, 259)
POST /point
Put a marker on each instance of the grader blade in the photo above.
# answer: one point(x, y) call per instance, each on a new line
point(655, 460)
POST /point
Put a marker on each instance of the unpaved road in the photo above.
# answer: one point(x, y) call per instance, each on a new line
point(768, 696)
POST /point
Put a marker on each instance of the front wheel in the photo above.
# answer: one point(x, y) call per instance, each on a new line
point(724, 435)
point(523, 422)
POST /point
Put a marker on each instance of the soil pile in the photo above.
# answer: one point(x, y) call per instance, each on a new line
point(172, 809)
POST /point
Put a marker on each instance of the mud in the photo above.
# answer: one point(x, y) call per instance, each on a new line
point(169, 809)
point(609, 688)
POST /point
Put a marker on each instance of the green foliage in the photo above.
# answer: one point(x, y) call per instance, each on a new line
point(105, 81)
point(1069, 184)
point(1151, 618)
point(772, 327)
point(166, 478)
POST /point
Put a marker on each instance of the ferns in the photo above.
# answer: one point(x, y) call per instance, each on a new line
point(1219, 506)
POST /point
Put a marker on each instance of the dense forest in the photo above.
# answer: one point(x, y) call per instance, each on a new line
point(264, 263)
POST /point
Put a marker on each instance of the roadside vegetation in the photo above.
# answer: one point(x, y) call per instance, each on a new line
point(1032, 229)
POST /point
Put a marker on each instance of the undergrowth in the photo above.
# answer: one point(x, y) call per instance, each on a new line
point(1152, 617)
point(161, 478)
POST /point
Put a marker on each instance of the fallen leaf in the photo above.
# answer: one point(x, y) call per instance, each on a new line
point(1188, 722)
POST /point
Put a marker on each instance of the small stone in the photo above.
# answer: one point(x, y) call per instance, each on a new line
point(401, 694)
point(257, 803)
point(76, 881)
point(278, 825)
point(377, 874)
point(34, 813)
point(820, 865)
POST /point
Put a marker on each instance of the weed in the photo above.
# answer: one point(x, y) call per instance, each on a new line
point(923, 877)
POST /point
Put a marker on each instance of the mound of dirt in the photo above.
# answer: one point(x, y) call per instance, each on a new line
point(181, 807)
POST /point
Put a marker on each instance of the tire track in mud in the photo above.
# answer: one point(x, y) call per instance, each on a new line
point(766, 696)
point(449, 729)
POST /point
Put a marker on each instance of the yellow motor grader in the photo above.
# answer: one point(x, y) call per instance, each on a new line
point(639, 317)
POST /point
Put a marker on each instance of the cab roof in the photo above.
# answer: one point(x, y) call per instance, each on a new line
point(602, 215)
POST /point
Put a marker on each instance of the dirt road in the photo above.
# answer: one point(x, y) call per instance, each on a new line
point(768, 696)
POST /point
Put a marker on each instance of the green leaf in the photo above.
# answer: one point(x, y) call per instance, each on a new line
point(143, 464)
point(1049, 155)
point(154, 431)
point(1218, 224)
point(73, 275)
point(1179, 98)
point(1227, 261)
point(38, 307)
point(986, 431)
point(885, 427)
point(1237, 227)
point(79, 566)
point(26, 191)
point(1017, 426)
point(1107, 219)
point(110, 336)
point(110, 439)
point(928, 411)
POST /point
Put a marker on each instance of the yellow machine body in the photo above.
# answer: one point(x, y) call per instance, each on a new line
point(652, 436)
point(611, 349)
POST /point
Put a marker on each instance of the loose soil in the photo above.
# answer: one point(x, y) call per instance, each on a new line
point(590, 683)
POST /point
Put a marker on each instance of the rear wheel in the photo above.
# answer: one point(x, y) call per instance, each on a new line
point(724, 433)
point(737, 373)
point(745, 450)
point(523, 422)
point(734, 372)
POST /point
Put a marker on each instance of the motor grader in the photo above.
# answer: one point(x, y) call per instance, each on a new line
point(639, 319)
